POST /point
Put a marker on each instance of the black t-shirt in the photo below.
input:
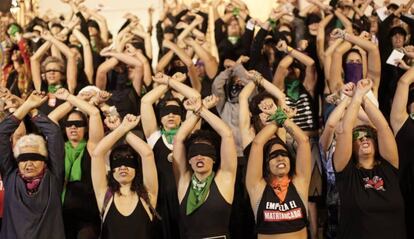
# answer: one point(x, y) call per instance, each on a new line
point(405, 139)
point(371, 202)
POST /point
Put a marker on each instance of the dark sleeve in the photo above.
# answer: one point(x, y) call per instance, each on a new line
point(247, 38)
point(204, 25)
point(257, 45)
point(160, 33)
point(218, 31)
point(84, 26)
point(7, 128)
point(55, 145)
point(383, 39)
point(410, 23)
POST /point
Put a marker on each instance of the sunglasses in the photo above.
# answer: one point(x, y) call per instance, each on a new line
point(76, 123)
point(358, 135)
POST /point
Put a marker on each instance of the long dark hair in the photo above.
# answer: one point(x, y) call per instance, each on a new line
point(209, 137)
point(255, 110)
point(137, 184)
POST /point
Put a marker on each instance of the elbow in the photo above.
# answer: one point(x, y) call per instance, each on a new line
point(302, 139)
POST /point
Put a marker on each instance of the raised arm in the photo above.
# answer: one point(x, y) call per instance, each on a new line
point(99, 171)
point(35, 64)
point(244, 114)
point(399, 112)
point(176, 83)
point(335, 77)
point(386, 141)
point(211, 64)
point(149, 120)
point(343, 150)
point(101, 73)
point(87, 55)
point(149, 170)
point(320, 38)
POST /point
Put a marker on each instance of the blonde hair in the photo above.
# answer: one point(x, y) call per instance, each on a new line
point(53, 59)
point(33, 141)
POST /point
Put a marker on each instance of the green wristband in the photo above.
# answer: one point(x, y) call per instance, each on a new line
point(279, 117)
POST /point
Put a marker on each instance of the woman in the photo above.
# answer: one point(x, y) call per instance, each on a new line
point(367, 173)
point(127, 194)
point(279, 194)
point(205, 195)
point(32, 175)
point(80, 212)
point(159, 130)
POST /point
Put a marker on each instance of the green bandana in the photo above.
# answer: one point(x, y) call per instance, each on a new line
point(236, 11)
point(169, 134)
point(273, 23)
point(198, 192)
point(279, 117)
point(13, 29)
point(359, 134)
point(292, 86)
point(73, 159)
point(53, 88)
point(233, 40)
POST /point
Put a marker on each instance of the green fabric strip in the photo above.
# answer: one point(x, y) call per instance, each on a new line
point(198, 192)
point(73, 160)
point(53, 88)
point(292, 88)
point(169, 134)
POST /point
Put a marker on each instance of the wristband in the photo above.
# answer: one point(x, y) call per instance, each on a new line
point(279, 117)
point(289, 50)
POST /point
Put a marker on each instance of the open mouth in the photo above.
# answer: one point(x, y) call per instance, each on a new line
point(200, 164)
point(281, 165)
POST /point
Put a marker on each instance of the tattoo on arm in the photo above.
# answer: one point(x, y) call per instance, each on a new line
point(289, 130)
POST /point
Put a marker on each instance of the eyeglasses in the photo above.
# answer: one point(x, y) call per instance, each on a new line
point(76, 123)
point(359, 135)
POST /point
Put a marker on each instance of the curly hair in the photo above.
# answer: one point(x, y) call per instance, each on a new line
point(255, 110)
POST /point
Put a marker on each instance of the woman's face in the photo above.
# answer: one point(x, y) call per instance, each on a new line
point(280, 165)
point(30, 168)
point(363, 144)
point(73, 132)
point(233, 29)
point(171, 121)
point(53, 73)
point(124, 175)
point(353, 57)
point(201, 164)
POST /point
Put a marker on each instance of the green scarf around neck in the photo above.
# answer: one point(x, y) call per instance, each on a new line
point(169, 134)
point(73, 160)
point(292, 86)
point(53, 88)
point(233, 40)
point(198, 192)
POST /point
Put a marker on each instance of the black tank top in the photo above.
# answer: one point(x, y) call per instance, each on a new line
point(210, 220)
point(137, 225)
point(276, 217)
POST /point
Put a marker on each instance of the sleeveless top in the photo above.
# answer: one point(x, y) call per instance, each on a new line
point(210, 220)
point(136, 225)
point(371, 203)
point(276, 217)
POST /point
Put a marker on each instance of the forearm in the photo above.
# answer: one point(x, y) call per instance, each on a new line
point(164, 61)
point(108, 141)
point(182, 88)
point(57, 114)
point(186, 128)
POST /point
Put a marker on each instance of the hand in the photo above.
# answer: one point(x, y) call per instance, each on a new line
point(103, 96)
point(242, 59)
point(130, 121)
point(167, 43)
point(47, 35)
point(348, 89)
point(181, 25)
point(130, 16)
point(229, 63)
point(365, 35)
point(189, 41)
point(193, 104)
point(106, 52)
point(409, 51)
point(36, 99)
point(401, 64)
point(12, 102)
point(290, 112)
point(180, 77)
point(210, 101)
point(363, 86)
point(303, 44)
point(268, 107)
point(338, 34)
point(282, 46)
point(86, 95)
point(161, 78)
point(112, 121)
point(62, 94)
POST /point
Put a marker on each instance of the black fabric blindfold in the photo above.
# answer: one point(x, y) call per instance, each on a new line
point(127, 161)
point(202, 149)
point(31, 157)
point(76, 123)
point(171, 109)
point(276, 153)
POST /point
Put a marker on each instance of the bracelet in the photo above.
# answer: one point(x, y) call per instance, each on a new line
point(258, 80)
point(197, 112)
point(279, 117)
point(289, 50)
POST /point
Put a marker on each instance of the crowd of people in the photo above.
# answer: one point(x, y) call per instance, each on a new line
point(296, 127)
